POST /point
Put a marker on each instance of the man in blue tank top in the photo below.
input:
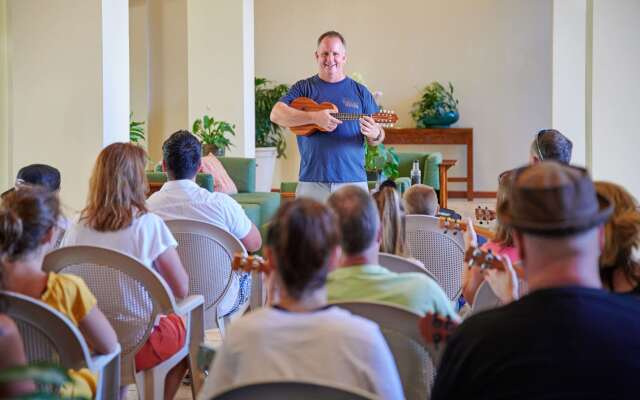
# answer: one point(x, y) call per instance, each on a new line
point(331, 159)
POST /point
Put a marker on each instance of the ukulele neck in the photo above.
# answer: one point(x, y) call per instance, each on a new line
point(347, 116)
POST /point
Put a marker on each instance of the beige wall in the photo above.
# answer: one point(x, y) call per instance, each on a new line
point(139, 60)
point(4, 103)
point(497, 54)
point(168, 82)
point(58, 113)
point(184, 66)
point(615, 88)
point(221, 67)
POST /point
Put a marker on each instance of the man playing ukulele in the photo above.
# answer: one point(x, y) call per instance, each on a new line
point(333, 158)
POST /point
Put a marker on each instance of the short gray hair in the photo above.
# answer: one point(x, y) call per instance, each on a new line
point(357, 218)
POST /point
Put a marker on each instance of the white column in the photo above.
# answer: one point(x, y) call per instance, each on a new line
point(221, 67)
point(569, 74)
point(5, 180)
point(68, 85)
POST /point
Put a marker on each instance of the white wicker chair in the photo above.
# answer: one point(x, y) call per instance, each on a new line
point(279, 390)
point(484, 299)
point(400, 328)
point(132, 296)
point(48, 335)
point(206, 252)
point(402, 264)
point(441, 251)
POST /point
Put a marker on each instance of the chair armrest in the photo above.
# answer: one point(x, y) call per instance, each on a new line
point(430, 174)
point(99, 361)
point(188, 304)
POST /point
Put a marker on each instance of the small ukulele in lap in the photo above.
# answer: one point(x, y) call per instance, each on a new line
point(385, 118)
point(255, 265)
point(436, 330)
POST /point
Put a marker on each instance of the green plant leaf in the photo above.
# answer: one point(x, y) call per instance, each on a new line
point(44, 373)
point(268, 134)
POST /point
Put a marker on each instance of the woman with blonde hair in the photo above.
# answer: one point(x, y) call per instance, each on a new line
point(391, 220)
point(619, 263)
point(116, 218)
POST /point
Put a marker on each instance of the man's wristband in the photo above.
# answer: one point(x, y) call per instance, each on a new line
point(377, 137)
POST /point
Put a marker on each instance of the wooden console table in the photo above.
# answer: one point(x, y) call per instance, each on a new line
point(448, 136)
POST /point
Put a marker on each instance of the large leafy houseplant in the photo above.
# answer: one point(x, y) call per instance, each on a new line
point(213, 133)
point(437, 106)
point(269, 134)
point(381, 160)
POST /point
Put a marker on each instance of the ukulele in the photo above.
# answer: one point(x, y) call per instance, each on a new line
point(485, 215)
point(436, 330)
point(385, 118)
point(456, 225)
point(486, 259)
point(245, 263)
point(255, 265)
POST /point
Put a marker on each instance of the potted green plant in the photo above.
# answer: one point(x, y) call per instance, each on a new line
point(437, 107)
point(136, 130)
point(212, 134)
point(270, 140)
point(380, 162)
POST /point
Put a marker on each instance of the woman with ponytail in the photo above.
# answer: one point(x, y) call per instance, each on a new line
point(620, 258)
point(302, 337)
point(28, 220)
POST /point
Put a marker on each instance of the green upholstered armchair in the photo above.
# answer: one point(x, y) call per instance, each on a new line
point(259, 206)
point(429, 164)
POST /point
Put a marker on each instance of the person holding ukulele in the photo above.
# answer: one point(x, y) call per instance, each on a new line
point(332, 156)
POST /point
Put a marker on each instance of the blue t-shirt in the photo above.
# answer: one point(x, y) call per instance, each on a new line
point(336, 156)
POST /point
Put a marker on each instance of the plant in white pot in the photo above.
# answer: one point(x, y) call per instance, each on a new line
point(270, 141)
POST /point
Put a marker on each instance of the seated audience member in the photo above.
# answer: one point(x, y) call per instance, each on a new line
point(391, 219)
point(359, 277)
point(303, 338)
point(550, 144)
point(117, 218)
point(420, 199)
point(567, 338)
point(619, 261)
point(182, 198)
point(27, 222)
point(47, 177)
point(501, 245)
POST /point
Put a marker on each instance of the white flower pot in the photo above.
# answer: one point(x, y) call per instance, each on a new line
point(265, 165)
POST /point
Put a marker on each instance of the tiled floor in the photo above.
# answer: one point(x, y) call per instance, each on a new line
point(461, 206)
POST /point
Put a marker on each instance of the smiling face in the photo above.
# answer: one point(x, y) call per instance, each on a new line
point(331, 57)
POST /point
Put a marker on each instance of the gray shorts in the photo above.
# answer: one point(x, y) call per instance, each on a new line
point(320, 191)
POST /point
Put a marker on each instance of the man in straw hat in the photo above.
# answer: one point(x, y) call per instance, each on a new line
point(567, 338)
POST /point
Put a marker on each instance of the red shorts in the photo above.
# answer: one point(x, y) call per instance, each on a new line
point(166, 339)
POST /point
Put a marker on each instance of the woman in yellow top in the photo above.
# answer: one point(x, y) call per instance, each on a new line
point(27, 225)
